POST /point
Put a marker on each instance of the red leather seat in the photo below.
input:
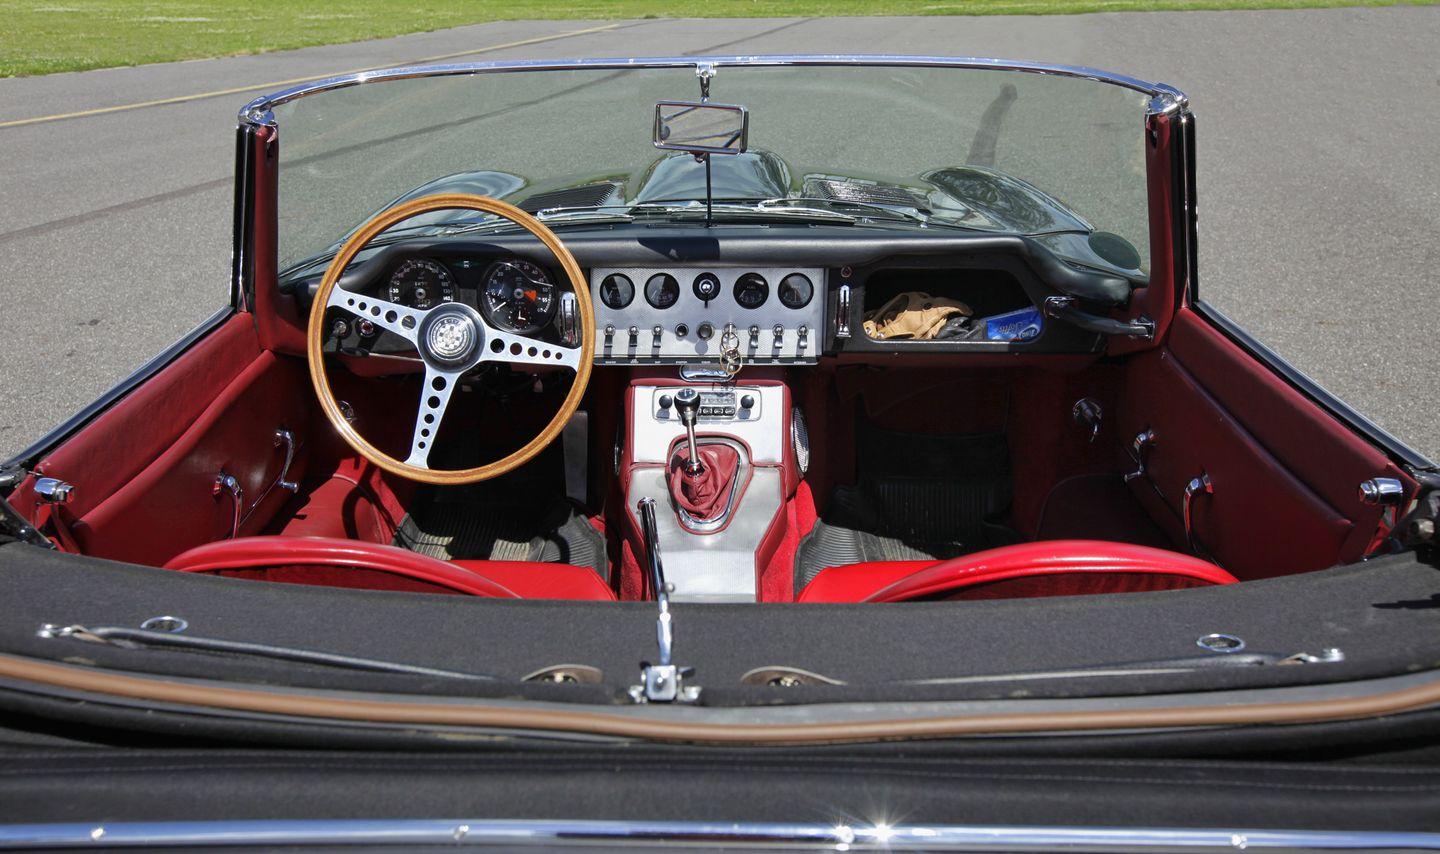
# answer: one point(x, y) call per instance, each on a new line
point(338, 562)
point(1045, 568)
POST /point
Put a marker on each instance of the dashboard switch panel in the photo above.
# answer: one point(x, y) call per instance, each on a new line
point(717, 406)
point(770, 308)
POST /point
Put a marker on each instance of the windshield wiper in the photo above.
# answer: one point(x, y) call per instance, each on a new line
point(854, 209)
point(581, 215)
point(127, 638)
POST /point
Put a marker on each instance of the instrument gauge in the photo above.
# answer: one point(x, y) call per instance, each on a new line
point(617, 291)
point(421, 283)
point(796, 290)
point(661, 291)
point(751, 290)
point(517, 296)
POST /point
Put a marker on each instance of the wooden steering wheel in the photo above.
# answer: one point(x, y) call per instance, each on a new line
point(452, 339)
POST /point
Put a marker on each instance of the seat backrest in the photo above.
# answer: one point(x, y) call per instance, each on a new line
point(338, 562)
point(328, 555)
point(1044, 568)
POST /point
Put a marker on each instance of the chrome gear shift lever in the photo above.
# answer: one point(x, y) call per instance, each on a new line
point(687, 406)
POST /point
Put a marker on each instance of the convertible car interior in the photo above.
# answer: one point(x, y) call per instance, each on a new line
point(531, 389)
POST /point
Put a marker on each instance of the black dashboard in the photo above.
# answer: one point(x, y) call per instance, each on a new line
point(785, 294)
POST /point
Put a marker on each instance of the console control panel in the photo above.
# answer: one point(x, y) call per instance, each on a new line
point(770, 315)
point(758, 420)
point(716, 406)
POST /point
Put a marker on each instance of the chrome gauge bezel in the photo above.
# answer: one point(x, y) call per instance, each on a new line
point(396, 288)
point(669, 284)
point(604, 295)
point(495, 315)
point(751, 283)
point(809, 291)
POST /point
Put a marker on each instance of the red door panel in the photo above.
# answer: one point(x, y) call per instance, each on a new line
point(133, 433)
point(171, 506)
point(1285, 474)
point(144, 471)
point(1319, 450)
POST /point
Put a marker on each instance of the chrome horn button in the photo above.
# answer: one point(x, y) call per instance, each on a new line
point(451, 338)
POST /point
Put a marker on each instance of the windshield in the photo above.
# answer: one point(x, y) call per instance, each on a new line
point(965, 148)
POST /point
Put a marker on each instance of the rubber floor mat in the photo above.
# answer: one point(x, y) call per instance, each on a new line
point(492, 522)
point(918, 497)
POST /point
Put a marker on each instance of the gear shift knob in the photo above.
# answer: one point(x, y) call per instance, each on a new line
point(687, 406)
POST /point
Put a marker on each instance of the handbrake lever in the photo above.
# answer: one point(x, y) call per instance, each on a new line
point(662, 682)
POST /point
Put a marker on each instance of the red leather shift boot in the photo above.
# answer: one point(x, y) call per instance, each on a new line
point(703, 495)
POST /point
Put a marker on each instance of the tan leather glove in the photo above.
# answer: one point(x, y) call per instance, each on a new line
point(912, 316)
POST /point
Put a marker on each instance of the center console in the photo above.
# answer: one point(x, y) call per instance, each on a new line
point(713, 519)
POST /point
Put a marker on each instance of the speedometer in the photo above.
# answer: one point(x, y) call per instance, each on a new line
point(518, 296)
point(420, 283)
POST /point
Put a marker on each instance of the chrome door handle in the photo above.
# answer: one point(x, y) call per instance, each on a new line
point(842, 312)
point(1197, 485)
point(284, 438)
point(227, 483)
point(1142, 442)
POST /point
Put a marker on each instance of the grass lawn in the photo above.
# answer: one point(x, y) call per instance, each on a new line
point(43, 36)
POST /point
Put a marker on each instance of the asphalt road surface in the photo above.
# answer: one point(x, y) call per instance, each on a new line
point(1319, 176)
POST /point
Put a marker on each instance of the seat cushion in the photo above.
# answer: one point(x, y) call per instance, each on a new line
point(336, 562)
point(1045, 568)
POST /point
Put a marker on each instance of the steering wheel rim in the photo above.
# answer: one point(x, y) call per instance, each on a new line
point(438, 333)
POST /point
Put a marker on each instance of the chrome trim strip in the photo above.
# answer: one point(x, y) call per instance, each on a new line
point(1164, 98)
point(840, 837)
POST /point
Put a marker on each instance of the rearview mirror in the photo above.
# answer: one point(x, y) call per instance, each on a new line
point(701, 127)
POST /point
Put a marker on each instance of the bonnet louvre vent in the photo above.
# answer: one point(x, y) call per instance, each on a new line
point(588, 196)
point(865, 193)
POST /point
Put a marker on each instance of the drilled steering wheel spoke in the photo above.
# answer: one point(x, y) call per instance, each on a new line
point(507, 347)
point(390, 316)
point(434, 400)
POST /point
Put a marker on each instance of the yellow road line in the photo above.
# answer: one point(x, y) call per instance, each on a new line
point(291, 82)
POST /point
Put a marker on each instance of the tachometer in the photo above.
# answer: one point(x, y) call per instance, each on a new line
point(518, 296)
point(421, 283)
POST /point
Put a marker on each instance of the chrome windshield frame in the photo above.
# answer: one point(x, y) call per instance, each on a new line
point(611, 833)
point(1163, 97)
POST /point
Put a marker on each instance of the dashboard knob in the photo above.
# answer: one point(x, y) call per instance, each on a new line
point(665, 401)
point(747, 401)
point(705, 331)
